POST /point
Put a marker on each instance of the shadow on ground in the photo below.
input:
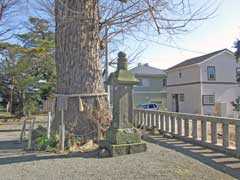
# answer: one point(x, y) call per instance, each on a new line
point(216, 160)
point(13, 145)
point(12, 152)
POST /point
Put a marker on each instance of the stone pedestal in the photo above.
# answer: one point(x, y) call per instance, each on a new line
point(122, 149)
point(122, 138)
point(123, 141)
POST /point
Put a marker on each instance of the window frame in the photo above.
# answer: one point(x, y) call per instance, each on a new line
point(208, 104)
point(180, 75)
point(140, 83)
point(208, 73)
point(181, 97)
point(237, 68)
point(164, 82)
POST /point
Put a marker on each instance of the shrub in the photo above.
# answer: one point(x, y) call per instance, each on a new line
point(40, 142)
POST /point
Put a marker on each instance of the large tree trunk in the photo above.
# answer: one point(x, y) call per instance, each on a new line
point(78, 65)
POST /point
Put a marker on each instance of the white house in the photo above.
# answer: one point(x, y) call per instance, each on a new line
point(152, 86)
point(204, 85)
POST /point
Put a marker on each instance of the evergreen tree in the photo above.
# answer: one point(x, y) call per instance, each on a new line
point(30, 67)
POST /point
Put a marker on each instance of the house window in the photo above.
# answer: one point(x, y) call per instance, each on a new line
point(180, 75)
point(208, 100)
point(144, 82)
point(238, 74)
point(140, 82)
point(164, 81)
point(211, 73)
point(181, 97)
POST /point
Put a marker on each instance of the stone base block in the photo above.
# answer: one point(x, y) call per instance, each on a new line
point(122, 149)
point(123, 136)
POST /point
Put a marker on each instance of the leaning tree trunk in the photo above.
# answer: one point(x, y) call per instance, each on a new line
point(78, 65)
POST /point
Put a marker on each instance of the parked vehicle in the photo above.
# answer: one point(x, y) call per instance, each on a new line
point(150, 106)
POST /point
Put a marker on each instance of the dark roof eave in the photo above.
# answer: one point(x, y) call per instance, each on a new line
point(195, 60)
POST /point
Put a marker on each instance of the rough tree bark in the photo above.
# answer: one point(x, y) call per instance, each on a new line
point(78, 65)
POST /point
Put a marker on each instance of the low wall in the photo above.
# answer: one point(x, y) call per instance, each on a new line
point(218, 133)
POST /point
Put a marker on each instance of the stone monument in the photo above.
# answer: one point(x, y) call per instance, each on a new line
point(122, 138)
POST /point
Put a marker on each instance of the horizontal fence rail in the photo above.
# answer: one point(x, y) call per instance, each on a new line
point(218, 133)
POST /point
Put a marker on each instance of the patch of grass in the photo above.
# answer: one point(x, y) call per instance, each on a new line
point(40, 142)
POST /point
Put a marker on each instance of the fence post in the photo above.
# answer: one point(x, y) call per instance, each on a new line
point(179, 122)
point(213, 132)
point(145, 120)
point(30, 135)
point(98, 132)
point(157, 120)
point(162, 122)
point(7, 107)
point(167, 122)
point(186, 127)
point(153, 119)
point(194, 129)
point(62, 137)
point(225, 134)
point(149, 119)
point(49, 125)
point(173, 124)
point(22, 135)
point(138, 119)
point(62, 132)
point(238, 140)
point(204, 130)
point(144, 124)
point(141, 119)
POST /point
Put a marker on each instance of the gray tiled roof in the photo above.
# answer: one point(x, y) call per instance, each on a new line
point(196, 60)
point(145, 69)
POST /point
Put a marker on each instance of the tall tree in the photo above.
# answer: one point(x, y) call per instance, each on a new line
point(78, 63)
point(142, 20)
point(78, 26)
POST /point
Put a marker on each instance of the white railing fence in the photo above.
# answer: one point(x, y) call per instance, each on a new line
point(218, 133)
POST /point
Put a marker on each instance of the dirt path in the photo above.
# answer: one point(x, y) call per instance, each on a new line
point(161, 161)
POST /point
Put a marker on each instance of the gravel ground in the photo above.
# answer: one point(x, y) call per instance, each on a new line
point(155, 164)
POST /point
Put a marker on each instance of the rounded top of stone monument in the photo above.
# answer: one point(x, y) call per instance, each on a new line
point(122, 54)
point(122, 61)
point(122, 75)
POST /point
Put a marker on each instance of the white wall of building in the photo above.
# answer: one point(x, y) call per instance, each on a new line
point(188, 75)
point(224, 88)
point(191, 101)
point(191, 91)
point(225, 66)
point(224, 93)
